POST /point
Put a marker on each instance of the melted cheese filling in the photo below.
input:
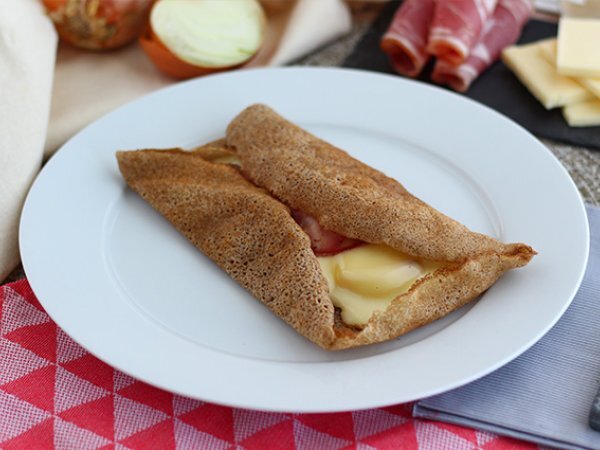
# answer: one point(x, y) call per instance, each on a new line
point(367, 278)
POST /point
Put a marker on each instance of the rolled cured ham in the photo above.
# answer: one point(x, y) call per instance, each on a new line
point(503, 29)
point(456, 27)
point(405, 41)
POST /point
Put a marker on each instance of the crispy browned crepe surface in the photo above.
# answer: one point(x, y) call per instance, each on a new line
point(240, 218)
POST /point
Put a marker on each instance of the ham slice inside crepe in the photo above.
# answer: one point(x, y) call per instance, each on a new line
point(323, 242)
point(405, 41)
point(456, 27)
point(501, 30)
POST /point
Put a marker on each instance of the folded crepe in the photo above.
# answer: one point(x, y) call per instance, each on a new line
point(260, 201)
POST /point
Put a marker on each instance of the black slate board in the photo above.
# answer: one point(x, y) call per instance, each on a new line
point(497, 88)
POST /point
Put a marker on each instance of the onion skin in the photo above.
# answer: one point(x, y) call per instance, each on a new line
point(99, 24)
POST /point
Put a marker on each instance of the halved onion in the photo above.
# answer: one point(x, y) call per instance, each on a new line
point(187, 38)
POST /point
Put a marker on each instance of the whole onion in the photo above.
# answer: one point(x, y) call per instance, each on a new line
point(99, 24)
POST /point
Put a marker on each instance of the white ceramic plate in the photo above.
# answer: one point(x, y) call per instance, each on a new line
point(125, 285)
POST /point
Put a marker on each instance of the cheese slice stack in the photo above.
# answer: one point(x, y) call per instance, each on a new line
point(541, 78)
point(563, 72)
point(585, 113)
point(548, 50)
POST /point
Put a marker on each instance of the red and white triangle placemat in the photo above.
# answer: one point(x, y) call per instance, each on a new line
point(54, 394)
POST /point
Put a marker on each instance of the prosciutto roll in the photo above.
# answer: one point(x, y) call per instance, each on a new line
point(456, 27)
point(502, 30)
point(405, 41)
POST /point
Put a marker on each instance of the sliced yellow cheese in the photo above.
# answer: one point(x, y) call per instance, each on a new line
point(591, 84)
point(584, 114)
point(578, 47)
point(367, 278)
point(548, 49)
point(541, 79)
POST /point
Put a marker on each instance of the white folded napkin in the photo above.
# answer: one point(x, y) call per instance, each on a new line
point(27, 49)
point(544, 395)
point(88, 85)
